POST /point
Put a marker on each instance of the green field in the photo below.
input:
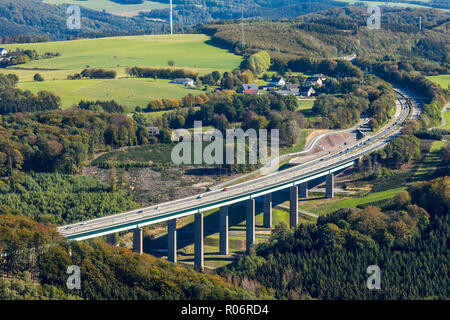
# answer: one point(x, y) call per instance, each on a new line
point(447, 120)
point(428, 165)
point(306, 104)
point(128, 92)
point(188, 51)
point(112, 7)
point(322, 206)
point(443, 80)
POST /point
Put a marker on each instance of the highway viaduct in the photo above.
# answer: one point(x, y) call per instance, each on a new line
point(295, 179)
point(298, 188)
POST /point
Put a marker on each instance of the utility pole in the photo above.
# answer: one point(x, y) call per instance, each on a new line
point(171, 18)
point(242, 27)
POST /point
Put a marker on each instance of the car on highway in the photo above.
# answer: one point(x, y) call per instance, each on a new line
point(83, 223)
point(157, 207)
point(199, 196)
point(67, 228)
point(225, 189)
point(140, 212)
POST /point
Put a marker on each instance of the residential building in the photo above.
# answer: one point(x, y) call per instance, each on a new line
point(277, 82)
point(188, 82)
point(293, 88)
point(306, 91)
point(249, 89)
point(153, 131)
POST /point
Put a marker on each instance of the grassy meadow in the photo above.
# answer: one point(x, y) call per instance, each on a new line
point(443, 80)
point(128, 92)
point(447, 120)
point(187, 51)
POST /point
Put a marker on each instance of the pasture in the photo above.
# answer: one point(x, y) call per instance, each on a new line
point(187, 51)
point(443, 80)
point(129, 92)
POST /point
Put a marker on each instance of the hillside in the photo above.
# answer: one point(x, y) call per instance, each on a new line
point(342, 31)
point(35, 267)
point(118, 53)
point(33, 17)
point(193, 12)
point(406, 238)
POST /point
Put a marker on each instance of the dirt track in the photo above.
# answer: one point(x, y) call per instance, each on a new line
point(326, 145)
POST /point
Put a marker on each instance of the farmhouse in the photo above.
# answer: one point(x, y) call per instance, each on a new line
point(292, 88)
point(3, 52)
point(313, 81)
point(188, 82)
point(277, 82)
point(306, 91)
point(153, 131)
point(320, 76)
point(249, 89)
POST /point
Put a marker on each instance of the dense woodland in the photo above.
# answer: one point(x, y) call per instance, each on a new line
point(38, 258)
point(407, 238)
point(35, 21)
point(52, 140)
point(192, 12)
point(340, 32)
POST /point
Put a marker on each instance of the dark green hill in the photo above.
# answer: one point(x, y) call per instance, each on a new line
point(32, 17)
point(343, 31)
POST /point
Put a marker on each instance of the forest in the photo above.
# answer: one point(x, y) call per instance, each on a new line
point(193, 12)
point(340, 32)
point(407, 238)
point(35, 21)
point(39, 258)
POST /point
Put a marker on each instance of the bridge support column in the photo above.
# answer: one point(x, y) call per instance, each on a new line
point(198, 242)
point(250, 224)
point(267, 215)
point(330, 186)
point(111, 239)
point(172, 240)
point(138, 236)
point(293, 207)
point(223, 230)
point(303, 190)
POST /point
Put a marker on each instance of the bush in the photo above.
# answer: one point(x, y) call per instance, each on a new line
point(38, 77)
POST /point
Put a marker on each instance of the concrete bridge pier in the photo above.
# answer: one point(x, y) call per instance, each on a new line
point(303, 190)
point(267, 215)
point(172, 240)
point(138, 237)
point(329, 189)
point(198, 242)
point(250, 224)
point(223, 230)
point(293, 207)
point(111, 239)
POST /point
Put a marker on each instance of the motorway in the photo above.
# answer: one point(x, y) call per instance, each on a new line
point(246, 190)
